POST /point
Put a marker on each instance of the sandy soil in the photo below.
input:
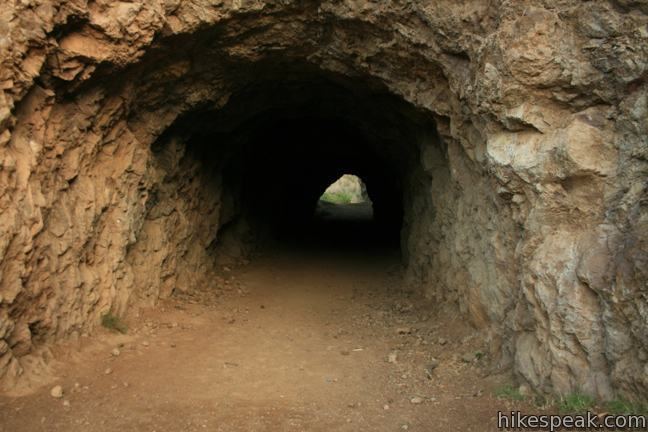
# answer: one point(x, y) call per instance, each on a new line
point(319, 339)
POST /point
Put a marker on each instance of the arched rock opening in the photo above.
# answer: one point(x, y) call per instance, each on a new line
point(277, 144)
point(521, 177)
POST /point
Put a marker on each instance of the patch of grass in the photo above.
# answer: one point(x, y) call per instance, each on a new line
point(576, 402)
point(113, 322)
point(509, 392)
point(336, 197)
point(622, 406)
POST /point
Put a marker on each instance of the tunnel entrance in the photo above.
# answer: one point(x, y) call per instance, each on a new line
point(279, 141)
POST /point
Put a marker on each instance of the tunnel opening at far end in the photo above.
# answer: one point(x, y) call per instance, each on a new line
point(346, 199)
point(348, 189)
point(344, 215)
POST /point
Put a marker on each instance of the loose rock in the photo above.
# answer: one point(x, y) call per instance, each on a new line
point(57, 392)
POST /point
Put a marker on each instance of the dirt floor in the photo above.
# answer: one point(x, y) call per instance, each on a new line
point(319, 339)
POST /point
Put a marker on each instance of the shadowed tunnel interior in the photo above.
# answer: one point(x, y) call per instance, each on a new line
point(279, 142)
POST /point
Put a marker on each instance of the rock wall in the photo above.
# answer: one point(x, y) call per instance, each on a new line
point(528, 208)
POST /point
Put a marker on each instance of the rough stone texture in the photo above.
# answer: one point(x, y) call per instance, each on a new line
point(528, 207)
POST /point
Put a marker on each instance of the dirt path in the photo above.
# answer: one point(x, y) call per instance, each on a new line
point(299, 342)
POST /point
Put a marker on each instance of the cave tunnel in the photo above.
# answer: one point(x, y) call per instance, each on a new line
point(284, 137)
point(152, 153)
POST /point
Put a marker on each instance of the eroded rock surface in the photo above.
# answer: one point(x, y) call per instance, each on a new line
point(526, 205)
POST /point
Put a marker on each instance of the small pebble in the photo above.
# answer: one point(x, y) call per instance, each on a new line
point(115, 352)
point(416, 400)
point(66, 403)
point(57, 392)
point(108, 371)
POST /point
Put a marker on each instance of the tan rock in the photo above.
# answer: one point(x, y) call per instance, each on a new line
point(57, 392)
